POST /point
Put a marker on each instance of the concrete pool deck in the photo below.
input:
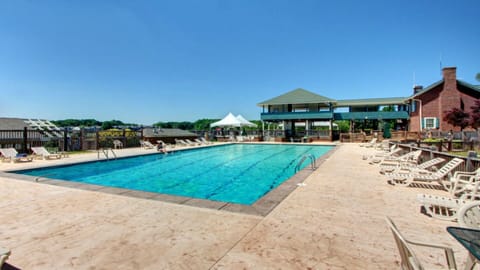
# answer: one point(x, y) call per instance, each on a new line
point(334, 221)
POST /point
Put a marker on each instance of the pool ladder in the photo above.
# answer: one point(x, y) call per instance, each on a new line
point(303, 158)
point(106, 152)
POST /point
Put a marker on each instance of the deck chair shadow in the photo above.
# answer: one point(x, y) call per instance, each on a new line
point(408, 258)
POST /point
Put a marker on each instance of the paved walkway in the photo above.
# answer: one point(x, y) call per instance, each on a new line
point(335, 221)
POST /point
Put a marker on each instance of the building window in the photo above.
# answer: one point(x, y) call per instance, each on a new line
point(430, 122)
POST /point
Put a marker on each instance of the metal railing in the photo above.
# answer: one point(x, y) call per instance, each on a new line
point(106, 152)
point(303, 158)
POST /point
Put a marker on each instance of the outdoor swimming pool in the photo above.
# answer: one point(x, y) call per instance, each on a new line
point(237, 173)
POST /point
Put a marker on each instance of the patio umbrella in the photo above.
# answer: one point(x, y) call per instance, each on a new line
point(227, 121)
point(244, 122)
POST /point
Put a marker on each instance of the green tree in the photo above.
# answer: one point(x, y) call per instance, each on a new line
point(478, 77)
point(77, 123)
point(110, 124)
point(343, 125)
point(181, 125)
point(203, 124)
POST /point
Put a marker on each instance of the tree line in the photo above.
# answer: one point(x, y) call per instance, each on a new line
point(201, 124)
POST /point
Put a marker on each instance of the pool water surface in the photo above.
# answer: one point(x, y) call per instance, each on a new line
point(236, 173)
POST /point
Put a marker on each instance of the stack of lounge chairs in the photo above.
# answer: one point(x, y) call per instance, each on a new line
point(408, 168)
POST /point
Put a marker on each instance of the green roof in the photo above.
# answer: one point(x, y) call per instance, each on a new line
point(297, 96)
point(471, 86)
point(371, 101)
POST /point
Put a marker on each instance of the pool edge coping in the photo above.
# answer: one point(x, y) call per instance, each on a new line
point(262, 207)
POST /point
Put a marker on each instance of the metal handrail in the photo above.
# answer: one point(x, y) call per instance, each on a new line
point(303, 158)
point(105, 152)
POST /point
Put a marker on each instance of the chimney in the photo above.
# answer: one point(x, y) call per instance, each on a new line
point(450, 74)
point(417, 88)
point(450, 80)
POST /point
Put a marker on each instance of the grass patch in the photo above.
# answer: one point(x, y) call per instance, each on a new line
point(461, 153)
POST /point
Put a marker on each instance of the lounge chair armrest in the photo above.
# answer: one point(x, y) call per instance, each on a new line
point(462, 173)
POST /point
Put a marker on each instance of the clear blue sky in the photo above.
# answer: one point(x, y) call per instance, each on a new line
point(149, 61)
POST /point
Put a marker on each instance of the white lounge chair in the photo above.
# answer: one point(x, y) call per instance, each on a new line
point(378, 157)
point(469, 215)
point(181, 142)
point(440, 207)
point(407, 167)
point(190, 143)
point(117, 144)
point(11, 155)
point(204, 141)
point(393, 159)
point(200, 142)
point(371, 143)
point(416, 176)
point(385, 146)
point(146, 145)
point(44, 154)
point(461, 181)
point(4, 254)
point(409, 260)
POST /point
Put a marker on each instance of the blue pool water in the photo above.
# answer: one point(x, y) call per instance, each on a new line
point(237, 173)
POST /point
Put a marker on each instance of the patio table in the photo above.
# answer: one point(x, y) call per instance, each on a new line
point(470, 239)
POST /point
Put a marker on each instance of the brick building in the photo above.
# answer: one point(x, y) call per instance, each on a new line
point(428, 105)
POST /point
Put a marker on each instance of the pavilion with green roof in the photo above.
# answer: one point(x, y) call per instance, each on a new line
point(310, 111)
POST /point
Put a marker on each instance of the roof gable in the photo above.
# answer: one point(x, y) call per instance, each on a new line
point(297, 96)
point(434, 85)
point(428, 88)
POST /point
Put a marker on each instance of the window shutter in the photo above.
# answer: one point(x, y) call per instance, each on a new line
point(423, 123)
point(437, 123)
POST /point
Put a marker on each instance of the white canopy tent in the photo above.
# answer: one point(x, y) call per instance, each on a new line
point(245, 122)
point(228, 121)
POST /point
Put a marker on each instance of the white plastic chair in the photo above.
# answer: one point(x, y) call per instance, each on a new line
point(409, 260)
